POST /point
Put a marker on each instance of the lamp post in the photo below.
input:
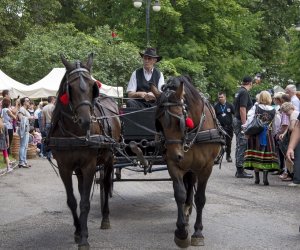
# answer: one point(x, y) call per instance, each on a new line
point(156, 7)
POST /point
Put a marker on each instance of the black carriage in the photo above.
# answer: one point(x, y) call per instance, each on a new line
point(141, 149)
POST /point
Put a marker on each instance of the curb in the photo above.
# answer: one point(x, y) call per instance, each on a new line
point(4, 171)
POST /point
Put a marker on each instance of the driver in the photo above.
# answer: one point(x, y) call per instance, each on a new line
point(141, 79)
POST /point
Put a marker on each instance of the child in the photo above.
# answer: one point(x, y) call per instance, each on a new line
point(4, 144)
point(37, 140)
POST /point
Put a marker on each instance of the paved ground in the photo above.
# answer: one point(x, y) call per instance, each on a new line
point(237, 215)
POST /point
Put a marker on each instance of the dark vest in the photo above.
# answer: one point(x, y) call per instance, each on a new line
point(142, 83)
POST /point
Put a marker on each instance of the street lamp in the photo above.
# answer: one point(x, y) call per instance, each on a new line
point(156, 7)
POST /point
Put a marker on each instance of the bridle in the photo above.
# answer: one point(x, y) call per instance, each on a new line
point(184, 131)
point(166, 113)
point(83, 86)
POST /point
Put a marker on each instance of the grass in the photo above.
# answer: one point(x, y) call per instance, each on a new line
point(3, 164)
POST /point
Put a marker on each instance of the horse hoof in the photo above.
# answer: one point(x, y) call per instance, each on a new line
point(105, 225)
point(84, 247)
point(197, 241)
point(182, 243)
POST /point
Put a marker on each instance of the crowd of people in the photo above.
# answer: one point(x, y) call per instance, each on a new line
point(264, 152)
point(29, 122)
point(267, 150)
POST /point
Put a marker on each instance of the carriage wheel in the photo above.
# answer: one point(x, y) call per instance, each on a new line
point(118, 174)
point(112, 185)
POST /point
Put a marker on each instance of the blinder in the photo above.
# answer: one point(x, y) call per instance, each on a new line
point(165, 103)
point(95, 90)
point(82, 86)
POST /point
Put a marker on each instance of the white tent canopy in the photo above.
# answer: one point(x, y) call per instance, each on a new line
point(49, 85)
point(15, 88)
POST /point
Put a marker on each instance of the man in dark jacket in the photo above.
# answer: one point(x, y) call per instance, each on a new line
point(224, 112)
point(242, 104)
point(141, 79)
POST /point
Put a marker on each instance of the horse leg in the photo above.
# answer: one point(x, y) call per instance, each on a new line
point(197, 237)
point(189, 181)
point(66, 177)
point(80, 180)
point(107, 182)
point(87, 182)
point(181, 233)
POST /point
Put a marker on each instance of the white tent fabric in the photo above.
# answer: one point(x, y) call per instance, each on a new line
point(15, 88)
point(278, 89)
point(48, 86)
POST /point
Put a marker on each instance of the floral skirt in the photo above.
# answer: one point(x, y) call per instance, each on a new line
point(261, 157)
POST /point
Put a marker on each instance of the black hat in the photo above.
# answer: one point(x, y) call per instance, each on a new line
point(247, 80)
point(152, 53)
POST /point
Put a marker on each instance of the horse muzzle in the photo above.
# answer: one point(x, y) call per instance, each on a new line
point(84, 123)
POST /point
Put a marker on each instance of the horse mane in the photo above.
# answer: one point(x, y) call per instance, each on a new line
point(59, 106)
point(191, 94)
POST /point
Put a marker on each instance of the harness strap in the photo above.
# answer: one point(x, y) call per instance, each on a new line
point(78, 70)
point(95, 141)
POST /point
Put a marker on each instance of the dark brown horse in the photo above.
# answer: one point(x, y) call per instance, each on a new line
point(83, 132)
point(190, 152)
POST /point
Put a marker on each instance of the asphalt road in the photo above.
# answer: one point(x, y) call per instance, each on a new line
point(237, 215)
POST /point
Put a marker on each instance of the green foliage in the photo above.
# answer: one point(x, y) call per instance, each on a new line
point(216, 42)
point(10, 24)
point(288, 67)
point(41, 50)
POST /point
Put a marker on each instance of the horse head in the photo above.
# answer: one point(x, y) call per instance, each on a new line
point(78, 91)
point(171, 115)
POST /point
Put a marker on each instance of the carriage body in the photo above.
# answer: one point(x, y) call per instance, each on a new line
point(142, 149)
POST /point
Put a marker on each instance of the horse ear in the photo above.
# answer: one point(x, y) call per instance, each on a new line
point(90, 61)
point(65, 62)
point(179, 91)
point(155, 91)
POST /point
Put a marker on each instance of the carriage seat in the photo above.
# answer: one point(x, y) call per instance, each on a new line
point(134, 121)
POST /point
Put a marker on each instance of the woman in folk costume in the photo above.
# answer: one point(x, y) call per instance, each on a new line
point(261, 152)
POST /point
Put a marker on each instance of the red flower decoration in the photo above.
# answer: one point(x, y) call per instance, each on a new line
point(99, 83)
point(64, 99)
point(113, 34)
point(189, 123)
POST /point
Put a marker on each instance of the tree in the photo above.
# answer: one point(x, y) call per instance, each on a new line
point(41, 50)
point(40, 12)
point(223, 36)
point(10, 24)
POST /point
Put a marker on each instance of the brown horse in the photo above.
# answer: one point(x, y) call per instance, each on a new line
point(83, 132)
point(190, 152)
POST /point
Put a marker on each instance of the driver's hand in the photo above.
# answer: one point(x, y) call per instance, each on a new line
point(149, 97)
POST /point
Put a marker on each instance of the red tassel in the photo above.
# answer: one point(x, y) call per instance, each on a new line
point(64, 99)
point(189, 122)
point(98, 83)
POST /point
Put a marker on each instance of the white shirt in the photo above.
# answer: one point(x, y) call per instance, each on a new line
point(294, 115)
point(132, 85)
point(36, 113)
point(295, 102)
point(251, 112)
